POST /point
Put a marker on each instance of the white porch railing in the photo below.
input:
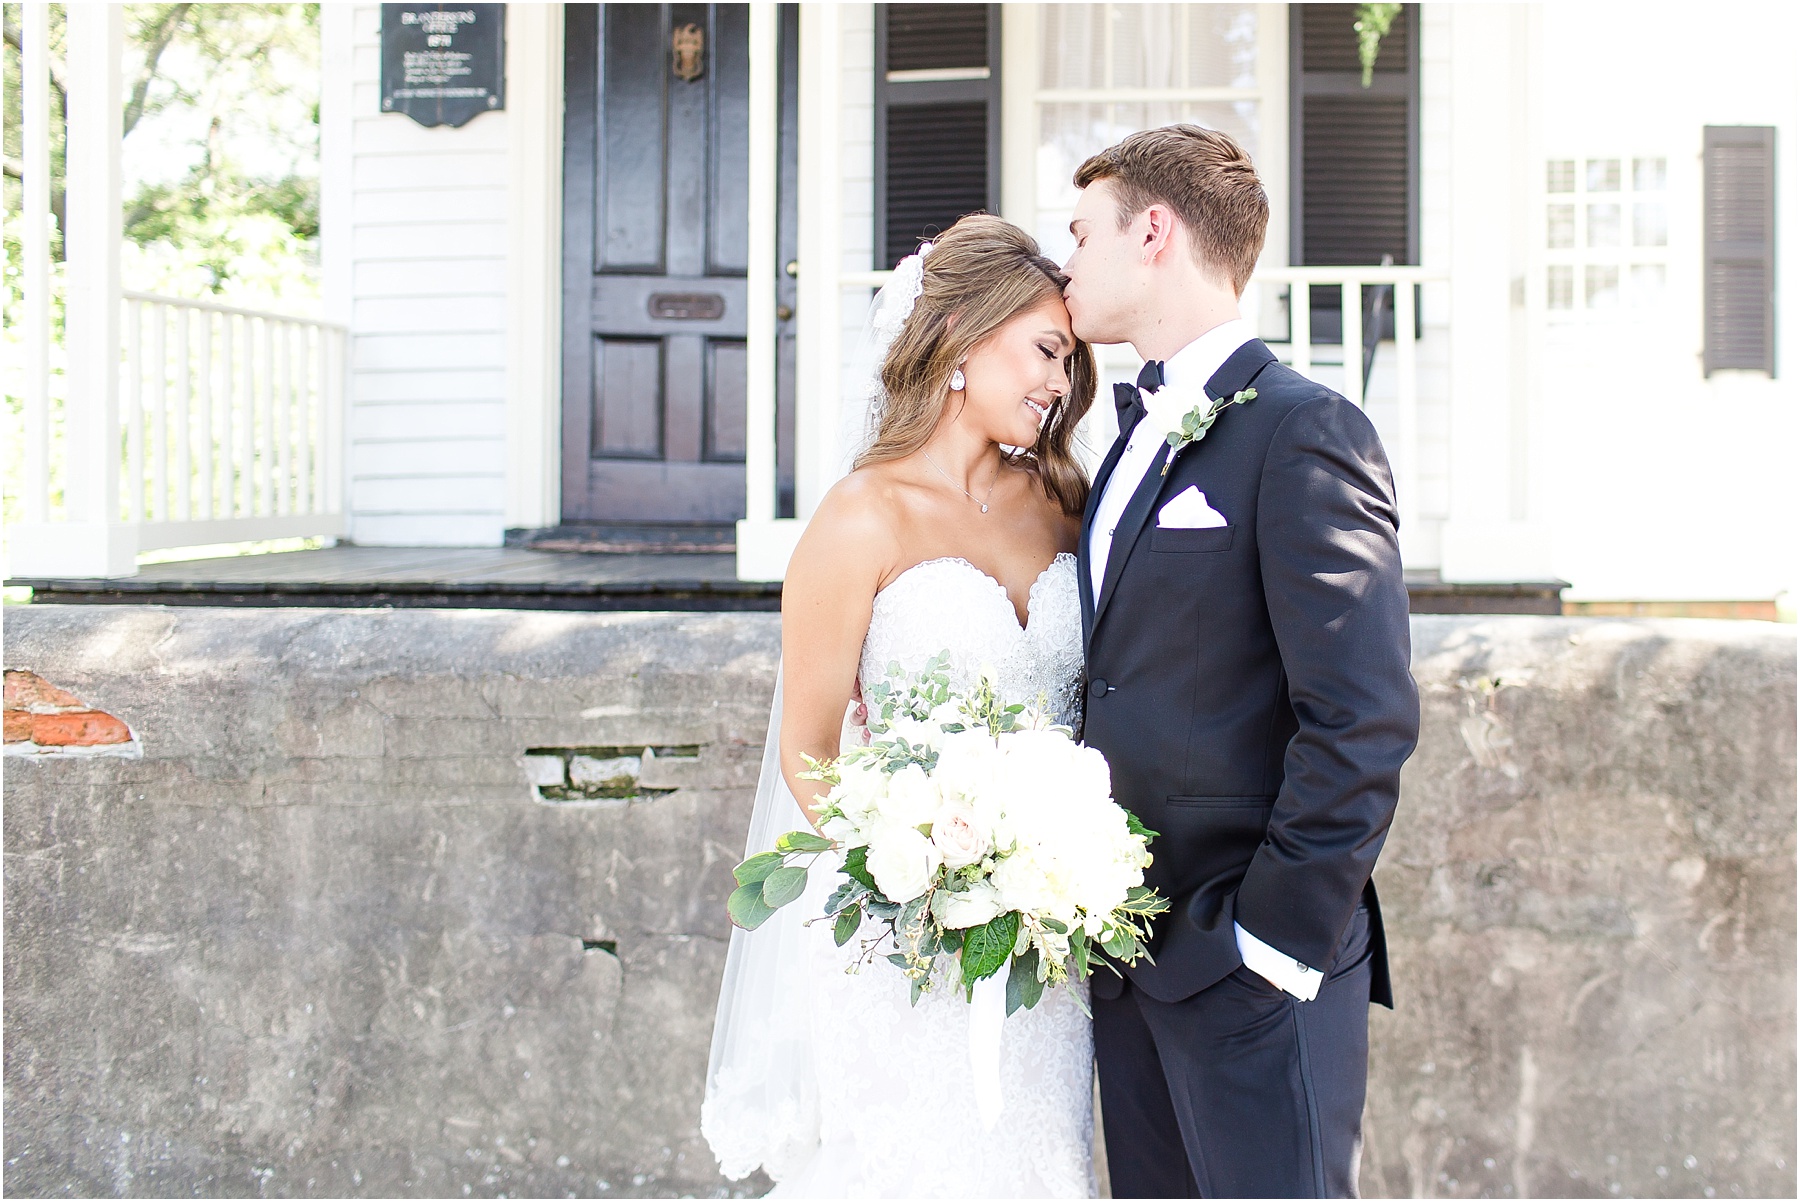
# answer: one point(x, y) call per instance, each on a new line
point(232, 423)
point(230, 428)
point(1349, 283)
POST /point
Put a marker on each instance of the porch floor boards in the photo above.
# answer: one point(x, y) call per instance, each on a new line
point(520, 578)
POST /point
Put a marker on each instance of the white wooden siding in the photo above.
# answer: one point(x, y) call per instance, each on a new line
point(427, 283)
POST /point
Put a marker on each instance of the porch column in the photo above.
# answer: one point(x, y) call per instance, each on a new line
point(91, 542)
point(765, 542)
point(1494, 531)
point(534, 72)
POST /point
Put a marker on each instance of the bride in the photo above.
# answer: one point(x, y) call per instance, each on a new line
point(941, 538)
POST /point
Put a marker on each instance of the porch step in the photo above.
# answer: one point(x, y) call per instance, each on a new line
point(659, 538)
point(1429, 595)
point(352, 577)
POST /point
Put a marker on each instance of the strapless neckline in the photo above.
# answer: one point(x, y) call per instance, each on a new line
point(1030, 595)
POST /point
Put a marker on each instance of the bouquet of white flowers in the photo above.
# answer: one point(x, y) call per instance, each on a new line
point(974, 834)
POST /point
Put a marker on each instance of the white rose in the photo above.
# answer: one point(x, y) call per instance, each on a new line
point(842, 831)
point(958, 835)
point(1165, 408)
point(946, 712)
point(915, 732)
point(901, 860)
point(860, 791)
point(978, 904)
point(912, 798)
point(967, 762)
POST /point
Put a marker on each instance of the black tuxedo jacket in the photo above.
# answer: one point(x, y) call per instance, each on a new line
point(1250, 684)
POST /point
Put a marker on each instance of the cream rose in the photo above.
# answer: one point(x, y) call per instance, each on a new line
point(958, 835)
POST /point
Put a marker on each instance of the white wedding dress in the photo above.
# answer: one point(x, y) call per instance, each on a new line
point(884, 1106)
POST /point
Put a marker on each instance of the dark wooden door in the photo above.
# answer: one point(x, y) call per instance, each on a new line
point(655, 230)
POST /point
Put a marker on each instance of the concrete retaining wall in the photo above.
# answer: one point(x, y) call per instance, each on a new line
point(328, 937)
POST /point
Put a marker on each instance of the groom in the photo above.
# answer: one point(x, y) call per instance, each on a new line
point(1247, 678)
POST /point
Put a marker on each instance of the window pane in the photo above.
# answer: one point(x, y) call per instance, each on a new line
point(1560, 288)
point(1074, 42)
point(1647, 283)
point(1603, 225)
point(1650, 225)
point(1221, 45)
point(1602, 287)
point(1561, 176)
point(1603, 175)
point(1562, 227)
point(1649, 175)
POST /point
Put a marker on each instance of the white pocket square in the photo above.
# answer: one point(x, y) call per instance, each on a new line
point(1188, 510)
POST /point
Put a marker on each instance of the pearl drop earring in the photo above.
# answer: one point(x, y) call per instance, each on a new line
point(957, 382)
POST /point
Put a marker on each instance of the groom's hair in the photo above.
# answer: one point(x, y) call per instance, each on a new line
point(1205, 177)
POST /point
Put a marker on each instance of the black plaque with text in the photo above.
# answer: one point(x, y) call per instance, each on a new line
point(441, 64)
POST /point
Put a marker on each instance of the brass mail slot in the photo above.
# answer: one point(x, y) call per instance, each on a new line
point(687, 306)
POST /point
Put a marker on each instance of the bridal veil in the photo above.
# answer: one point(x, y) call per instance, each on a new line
point(762, 1105)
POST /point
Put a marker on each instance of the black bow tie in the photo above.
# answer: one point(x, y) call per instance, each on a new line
point(1129, 398)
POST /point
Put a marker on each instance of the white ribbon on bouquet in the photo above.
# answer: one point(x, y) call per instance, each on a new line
point(987, 1015)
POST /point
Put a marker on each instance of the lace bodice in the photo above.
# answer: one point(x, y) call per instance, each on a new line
point(949, 604)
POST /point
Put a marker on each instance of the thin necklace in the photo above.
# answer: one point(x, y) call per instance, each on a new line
point(959, 488)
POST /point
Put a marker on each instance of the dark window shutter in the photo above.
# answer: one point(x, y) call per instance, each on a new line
point(936, 139)
point(1740, 247)
point(1354, 169)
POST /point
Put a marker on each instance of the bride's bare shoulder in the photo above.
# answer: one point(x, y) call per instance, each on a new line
point(855, 528)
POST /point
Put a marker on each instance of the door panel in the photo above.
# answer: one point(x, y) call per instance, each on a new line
point(631, 167)
point(655, 234)
point(626, 370)
point(725, 381)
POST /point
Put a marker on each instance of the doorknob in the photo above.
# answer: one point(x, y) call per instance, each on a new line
point(784, 312)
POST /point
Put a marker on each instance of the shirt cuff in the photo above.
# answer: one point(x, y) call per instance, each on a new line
point(1291, 975)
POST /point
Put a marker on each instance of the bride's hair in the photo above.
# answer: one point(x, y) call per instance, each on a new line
point(979, 275)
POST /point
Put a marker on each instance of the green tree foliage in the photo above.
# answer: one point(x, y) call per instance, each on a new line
point(220, 166)
point(221, 123)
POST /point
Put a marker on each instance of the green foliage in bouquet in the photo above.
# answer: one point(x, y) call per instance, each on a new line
point(919, 938)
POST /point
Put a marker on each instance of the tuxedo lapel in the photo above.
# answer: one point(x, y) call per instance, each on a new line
point(1236, 373)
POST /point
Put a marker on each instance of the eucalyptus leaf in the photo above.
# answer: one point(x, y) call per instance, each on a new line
point(783, 886)
point(1079, 952)
point(746, 906)
point(802, 841)
point(849, 921)
point(846, 895)
point(1022, 986)
point(757, 867)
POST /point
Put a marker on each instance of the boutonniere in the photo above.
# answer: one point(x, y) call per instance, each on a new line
point(1184, 429)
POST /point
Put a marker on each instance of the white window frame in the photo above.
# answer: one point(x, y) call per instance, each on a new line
point(1579, 256)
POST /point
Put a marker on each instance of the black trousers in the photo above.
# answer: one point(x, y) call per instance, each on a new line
point(1239, 1091)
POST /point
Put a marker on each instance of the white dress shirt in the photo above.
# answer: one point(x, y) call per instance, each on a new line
point(1187, 371)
